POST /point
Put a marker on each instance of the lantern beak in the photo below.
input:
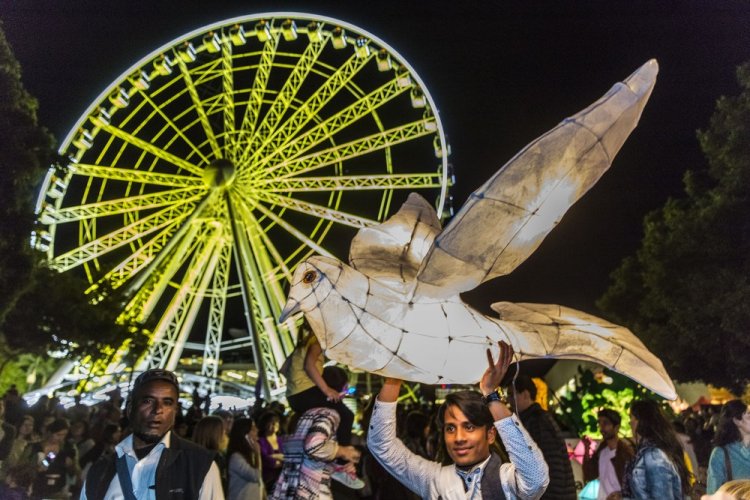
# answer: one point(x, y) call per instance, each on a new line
point(291, 308)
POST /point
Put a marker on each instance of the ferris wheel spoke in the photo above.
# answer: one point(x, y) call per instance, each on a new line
point(352, 183)
point(284, 98)
point(182, 236)
point(245, 237)
point(133, 175)
point(157, 279)
point(341, 152)
point(255, 98)
point(270, 263)
point(198, 106)
point(172, 330)
point(208, 270)
point(257, 311)
point(212, 348)
point(118, 206)
point(310, 108)
point(314, 210)
point(254, 261)
point(272, 297)
point(136, 261)
point(334, 124)
point(270, 246)
point(151, 148)
point(172, 125)
point(293, 230)
point(227, 81)
point(122, 236)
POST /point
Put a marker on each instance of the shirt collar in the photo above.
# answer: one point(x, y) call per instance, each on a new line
point(472, 477)
point(125, 447)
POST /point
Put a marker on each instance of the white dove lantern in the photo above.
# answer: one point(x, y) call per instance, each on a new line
point(396, 309)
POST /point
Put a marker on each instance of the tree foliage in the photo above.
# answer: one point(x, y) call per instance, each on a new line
point(26, 371)
point(54, 316)
point(580, 405)
point(25, 152)
point(41, 311)
point(686, 292)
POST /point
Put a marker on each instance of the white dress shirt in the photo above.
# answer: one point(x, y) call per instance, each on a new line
point(143, 474)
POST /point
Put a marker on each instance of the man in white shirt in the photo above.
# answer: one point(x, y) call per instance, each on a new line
point(608, 461)
point(153, 462)
point(469, 422)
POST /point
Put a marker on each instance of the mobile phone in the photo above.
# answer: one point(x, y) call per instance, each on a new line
point(47, 460)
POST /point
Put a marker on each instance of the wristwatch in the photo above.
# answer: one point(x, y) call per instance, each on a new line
point(493, 396)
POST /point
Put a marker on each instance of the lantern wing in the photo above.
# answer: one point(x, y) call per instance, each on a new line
point(392, 252)
point(552, 331)
point(506, 219)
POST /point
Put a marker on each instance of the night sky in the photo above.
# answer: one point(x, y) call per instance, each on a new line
point(502, 73)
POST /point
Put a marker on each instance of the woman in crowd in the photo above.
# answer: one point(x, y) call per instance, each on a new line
point(270, 447)
point(730, 458)
point(209, 432)
point(55, 461)
point(24, 437)
point(658, 469)
point(245, 478)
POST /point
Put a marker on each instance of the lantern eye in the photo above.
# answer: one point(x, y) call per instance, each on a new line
point(309, 277)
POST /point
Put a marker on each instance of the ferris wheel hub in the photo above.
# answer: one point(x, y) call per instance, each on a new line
point(219, 174)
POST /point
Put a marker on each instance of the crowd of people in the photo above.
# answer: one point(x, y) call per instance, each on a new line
point(476, 445)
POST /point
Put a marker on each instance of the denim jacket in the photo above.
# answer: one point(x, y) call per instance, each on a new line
point(652, 475)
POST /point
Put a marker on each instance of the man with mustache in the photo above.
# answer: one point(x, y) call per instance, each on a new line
point(153, 462)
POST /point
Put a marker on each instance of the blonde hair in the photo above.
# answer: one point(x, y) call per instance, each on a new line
point(739, 488)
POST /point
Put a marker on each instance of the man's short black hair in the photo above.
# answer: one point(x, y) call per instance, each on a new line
point(524, 383)
point(610, 415)
point(472, 406)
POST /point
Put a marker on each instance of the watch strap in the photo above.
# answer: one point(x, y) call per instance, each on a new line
point(493, 396)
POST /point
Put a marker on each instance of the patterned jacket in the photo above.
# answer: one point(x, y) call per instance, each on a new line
point(307, 457)
point(525, 477)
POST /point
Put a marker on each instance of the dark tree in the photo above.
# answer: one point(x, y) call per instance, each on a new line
point(686, 292)
point(25, 152)
point(53, 315)
point(41, 311)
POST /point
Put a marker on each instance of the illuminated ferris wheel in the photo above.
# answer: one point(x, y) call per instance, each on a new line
point(198, 179)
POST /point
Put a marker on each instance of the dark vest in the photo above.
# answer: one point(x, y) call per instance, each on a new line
point(179, 475)
point(492, 488)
